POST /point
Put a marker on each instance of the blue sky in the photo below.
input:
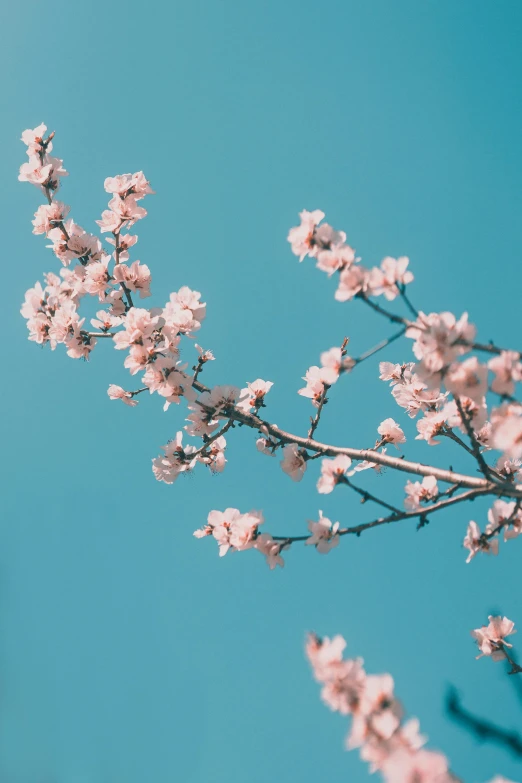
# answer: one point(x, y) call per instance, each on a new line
point(128, 650)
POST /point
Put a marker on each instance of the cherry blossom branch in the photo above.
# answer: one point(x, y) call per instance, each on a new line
point(314, 420)
point(483, 729)
point(396, 463)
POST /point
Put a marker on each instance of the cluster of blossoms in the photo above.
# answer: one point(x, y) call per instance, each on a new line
point(391, 746)
point(320, 241)
point(52, 311)
point(425, 386)
point(237, 532)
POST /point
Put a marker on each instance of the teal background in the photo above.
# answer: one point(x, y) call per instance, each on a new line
point(128, 650)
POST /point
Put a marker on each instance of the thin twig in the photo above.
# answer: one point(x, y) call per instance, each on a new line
point(379, 347)
point(314, 421)
point(421, 513)
point(483, 729)
point(368, 495)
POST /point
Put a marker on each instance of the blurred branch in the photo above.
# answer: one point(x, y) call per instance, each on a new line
point(482, 729)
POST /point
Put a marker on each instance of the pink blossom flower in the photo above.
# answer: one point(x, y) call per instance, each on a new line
point(184, 310)
point(491, 638)
point(469, 379)
point(136, 277)
point(139, 325)
point(125, 185)
point(165, 377)
point(506, 430)
point(390, 432)
point(201, 422)
point(417, 492)
point(412, 393)
point(253, 396)
point(97, 278)
point(110, 221)
point(323, 654)
point(378, 711)
point(204, 356)
point(115, 301)
point(140, 356)
point(232, 530)
point(244, 532)
point(476, 542)
point(293, 462)
point(431, 425)
point(105, 321)
point(117, 393)
point(34, 301)
point(33, 139)
point(343, 679)
point(439, 339)
point(339, 257)
point(48, 216)
point(508, 371)
point(506, 516)
point(302, 238)
point(352, 281)
point(317, 380)
point(325, 534)
point(424, 766)
point(394, 372)
point(43, 174)
point(219, 399)
point(510, 467)
point(127, 209)
point(175, 460)
point(333, 472)
point(270, 549)
point(393, 272)
point(79, 345)
point(64, 323)
point(221, 524)
point(378, 751)
point(267, 445)
point(76, 245)
point(336, 361)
